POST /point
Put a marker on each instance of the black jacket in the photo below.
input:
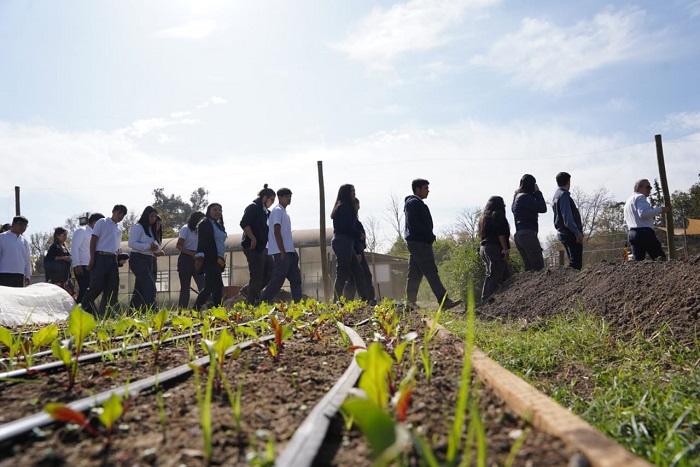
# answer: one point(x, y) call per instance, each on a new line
point(206, 243)
point(345, 222)
point(419, 222)
point(255, 216)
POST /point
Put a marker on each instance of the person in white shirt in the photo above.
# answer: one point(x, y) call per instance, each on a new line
point(15, 262)
point(80, 254)
point(639, 220)
point(144, 247)
point(187, 239)
point(105, 244)
point(281, 247)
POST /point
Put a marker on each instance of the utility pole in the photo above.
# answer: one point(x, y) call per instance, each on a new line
point(667, 198)
point(322, 234)
point(17, 210)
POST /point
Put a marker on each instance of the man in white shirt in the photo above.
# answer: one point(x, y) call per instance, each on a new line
point(80, 254)
point(105, 243)
point(15, 262)
point(639, 219)
point(281, 247)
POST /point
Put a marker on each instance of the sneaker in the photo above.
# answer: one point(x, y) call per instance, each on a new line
point(451, 304)
point(410, 306)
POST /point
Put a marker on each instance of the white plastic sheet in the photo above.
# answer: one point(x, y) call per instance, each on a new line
point(38, 303)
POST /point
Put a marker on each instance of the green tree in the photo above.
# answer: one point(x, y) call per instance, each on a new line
point(175, 211)
point(39, 243)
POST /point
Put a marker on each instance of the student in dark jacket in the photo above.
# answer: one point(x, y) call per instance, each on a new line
point(419, 237)
point(528, 203)
point(494, 232)
point(58, 260)
point(345, 234)
point(254, 243)
point(567, 221)
point(211, 254)
point(360, 246)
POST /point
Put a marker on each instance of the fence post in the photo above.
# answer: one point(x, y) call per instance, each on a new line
point(667, 198)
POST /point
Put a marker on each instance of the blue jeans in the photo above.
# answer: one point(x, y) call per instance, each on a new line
point(284, 269)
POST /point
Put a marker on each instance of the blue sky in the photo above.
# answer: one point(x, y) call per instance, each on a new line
point(102, 102)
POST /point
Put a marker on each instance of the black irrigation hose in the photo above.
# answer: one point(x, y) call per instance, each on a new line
point(23, 425)
point(302, 449)
point(56, 365)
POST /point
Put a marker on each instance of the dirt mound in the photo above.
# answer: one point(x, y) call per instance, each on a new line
point(632, 297)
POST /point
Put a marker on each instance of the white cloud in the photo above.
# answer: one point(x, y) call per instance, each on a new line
point(144, 126)
point(694, 7)
point(682, 121)
point(192, 30)
point(549, 57)
point(386, 35)
point(216, 100)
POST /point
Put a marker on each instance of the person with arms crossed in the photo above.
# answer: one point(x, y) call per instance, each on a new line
point(639, 220)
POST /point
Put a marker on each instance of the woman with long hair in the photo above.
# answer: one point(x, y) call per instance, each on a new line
point(360, 246)
point(528, 203)
point(345, 234)
point(187, 244)
point(211, 254)
point(254, 243)
point(494, 232)
point(58, 260)
point(143, 244)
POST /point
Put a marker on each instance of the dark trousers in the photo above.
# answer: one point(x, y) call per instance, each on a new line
point(347, 266)
point(350, 288)
point(530, 250)
point(9, 279)
point(643, 240)
point(213, 285)
point(83, 281)
point(573, 249)
point(496, 268)
point(144, 294)
point(260, 267)
point(421, 262)
point(186, 272)
point(284, 269)
point(104, 279)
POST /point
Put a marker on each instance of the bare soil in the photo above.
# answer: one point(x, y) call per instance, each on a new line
point(632, 297)
point(276, 397)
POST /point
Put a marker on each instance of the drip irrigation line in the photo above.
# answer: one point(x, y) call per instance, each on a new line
point(23, 425)
point(302, 449)
point(56, 365)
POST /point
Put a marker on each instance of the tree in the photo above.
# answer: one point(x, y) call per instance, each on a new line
point(128, 222)
point(591, 206)
point(466, 227)
point(175, 211)
point(372, 229)
point(199, 199)
point(39, 243)
point(395, 216)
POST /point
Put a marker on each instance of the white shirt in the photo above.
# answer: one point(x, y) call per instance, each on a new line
point(639, 213)
point(109, 235)
point(279, 215)
point(189, 238)
point(140, 242)
point(80, 246)
point(14, 254)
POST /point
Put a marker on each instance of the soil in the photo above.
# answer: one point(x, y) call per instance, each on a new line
point(276, 396)
point(632, 297)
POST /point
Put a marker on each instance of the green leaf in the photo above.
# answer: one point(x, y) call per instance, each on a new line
point(247, 330)
point(224, 341)
point(6, 336)
point(377, 425)
point(45, 336)
point(80, 325)
point(160, 319)
point(377, 365)
point(60, 352)
point(112, 409)
point(219, 313)
point(287, 332)
point(182, 322)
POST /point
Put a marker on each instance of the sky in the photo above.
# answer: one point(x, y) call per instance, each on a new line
point(103, 102)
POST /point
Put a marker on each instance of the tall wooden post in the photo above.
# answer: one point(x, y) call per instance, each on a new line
point(667, 198)
point(17, 210)
point(322, 234)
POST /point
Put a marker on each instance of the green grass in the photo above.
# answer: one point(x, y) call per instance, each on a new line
point(643, 392)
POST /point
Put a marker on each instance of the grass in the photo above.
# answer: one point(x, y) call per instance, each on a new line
point(643, 392)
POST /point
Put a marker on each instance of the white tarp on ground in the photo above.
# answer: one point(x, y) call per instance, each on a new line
point(38, 303)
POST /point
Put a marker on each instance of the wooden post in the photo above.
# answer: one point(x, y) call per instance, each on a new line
point(322, 235)
point(17, 210)
point(667, 198)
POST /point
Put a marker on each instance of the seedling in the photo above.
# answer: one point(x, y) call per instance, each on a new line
point(282, 333)
point(80, 325)
point(377, 365)
point(17, 344)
